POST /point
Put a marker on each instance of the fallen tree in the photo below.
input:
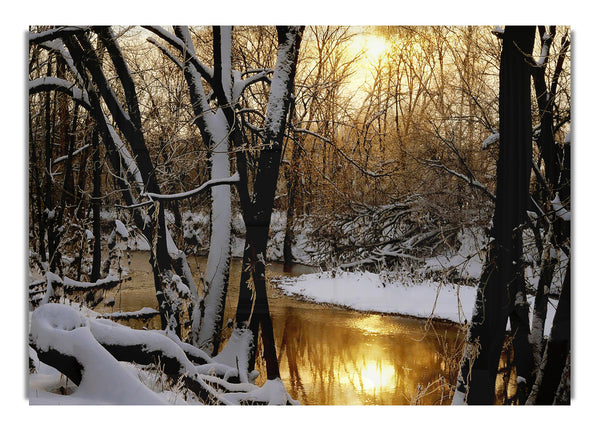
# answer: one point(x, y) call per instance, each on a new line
point(89, 351)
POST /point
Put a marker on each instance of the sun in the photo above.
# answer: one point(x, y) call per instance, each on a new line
point(374, 48)
point(377, 376)
point(368, 50)
point(369, 46)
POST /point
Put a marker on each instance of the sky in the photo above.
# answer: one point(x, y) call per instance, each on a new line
point(14, 179)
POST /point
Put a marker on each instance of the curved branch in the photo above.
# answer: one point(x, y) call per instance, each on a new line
point(50, 83)
point(235, 178)
point(55, 33)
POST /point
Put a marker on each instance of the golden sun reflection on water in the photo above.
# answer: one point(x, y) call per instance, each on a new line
point(376, 376)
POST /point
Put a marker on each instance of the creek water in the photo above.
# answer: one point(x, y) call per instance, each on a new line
point(329, 355)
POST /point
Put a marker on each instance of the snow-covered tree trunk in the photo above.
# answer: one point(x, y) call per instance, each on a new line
point(207, 317)
point(219, 255)
point(253, 306)
point(292, 189)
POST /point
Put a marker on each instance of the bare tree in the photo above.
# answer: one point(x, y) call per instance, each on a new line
point(501, 291)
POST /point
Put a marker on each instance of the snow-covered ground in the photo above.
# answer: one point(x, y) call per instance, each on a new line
point(391, 293)
point(76, 334)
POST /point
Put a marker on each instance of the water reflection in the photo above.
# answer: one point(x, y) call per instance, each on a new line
point(329, 355)
point(338, 356)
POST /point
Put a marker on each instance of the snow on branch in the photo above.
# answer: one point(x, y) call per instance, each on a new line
point(490, 140)
point(126, 157)
point(143, 313)
point(43, 296)
point(240, 85)
point(235, 178)
point(55, 33)
point(49, 83)
point(107, 282)
point(65, 157)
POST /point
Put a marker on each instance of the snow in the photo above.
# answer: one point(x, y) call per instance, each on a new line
point(391, 293)
point(129, 314)
point(367, 291)
point(53, 82)
point(78, 333)
point(121, 229)
point(68, 282)
point(210, 183)
point(542, 60)
point(467, 262)
point(126, 157)
point(279, 84)
point(104, 379)
point(560, 210)
point(236, 352)
point(273, 392)
point(492, 139)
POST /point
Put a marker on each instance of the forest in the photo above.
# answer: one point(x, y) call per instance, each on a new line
point(252, 215)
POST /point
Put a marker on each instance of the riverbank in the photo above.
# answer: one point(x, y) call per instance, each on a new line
point(390, 293)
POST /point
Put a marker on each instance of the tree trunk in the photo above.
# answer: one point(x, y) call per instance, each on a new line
point(48, 227)
point(502, 283)
point(257, 211)
point(557, 354)
point(96, 201)
point(292, 189)
point(86, 61)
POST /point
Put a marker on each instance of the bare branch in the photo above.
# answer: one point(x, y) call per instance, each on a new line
point(235, 178)
point(206, 72)
point(471, 181)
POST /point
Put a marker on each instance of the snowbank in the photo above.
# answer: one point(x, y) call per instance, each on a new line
point(389, 293)
point(366, 291)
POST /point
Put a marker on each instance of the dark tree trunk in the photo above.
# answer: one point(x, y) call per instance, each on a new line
point(47, 226)
point(96, 201)
point(292, 189)
point(257, 211)
point(545, 103)
point(501, 288)
point(559, 346)
point(67, 195)
point(36, 194)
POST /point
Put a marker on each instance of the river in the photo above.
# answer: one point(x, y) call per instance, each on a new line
point(329, 355)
